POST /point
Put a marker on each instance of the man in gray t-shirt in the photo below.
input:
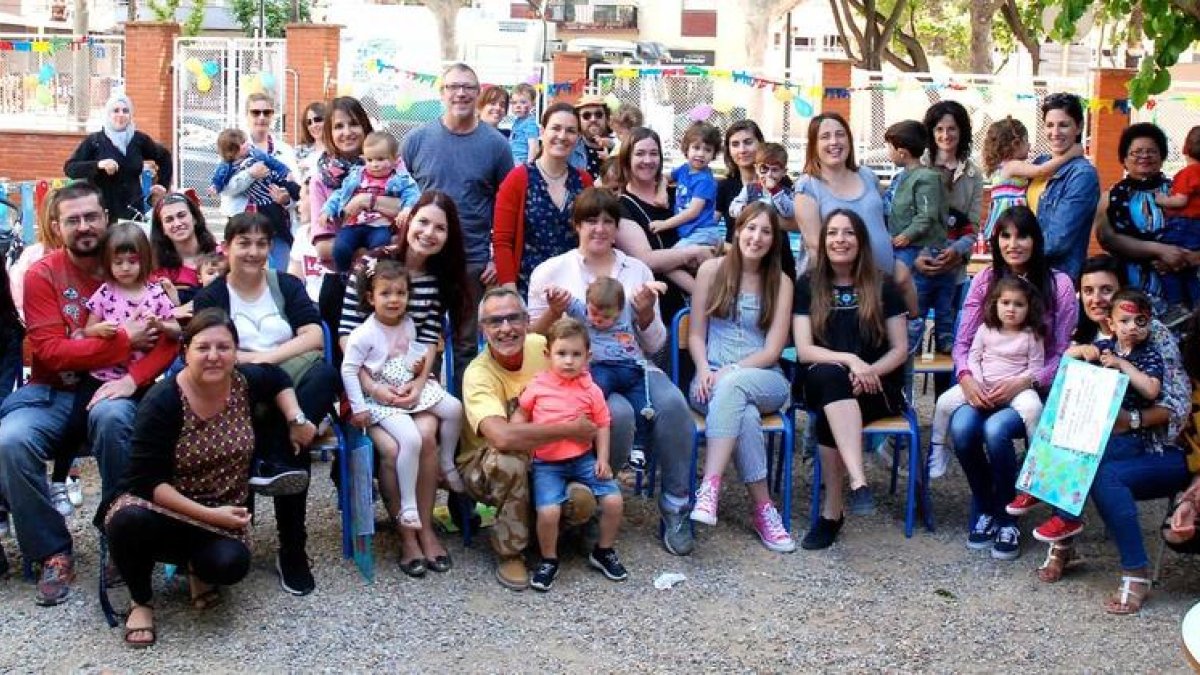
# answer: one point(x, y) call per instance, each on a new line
point(468, 161)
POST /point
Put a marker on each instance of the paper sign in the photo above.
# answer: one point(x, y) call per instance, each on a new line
point(1085, 393)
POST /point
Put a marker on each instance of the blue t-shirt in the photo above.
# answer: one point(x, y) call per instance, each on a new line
point(691, 185)
point(618, 343)
point(524, 129)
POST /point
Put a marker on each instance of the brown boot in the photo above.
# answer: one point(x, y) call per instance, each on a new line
point(511, 573)
point(580, 505)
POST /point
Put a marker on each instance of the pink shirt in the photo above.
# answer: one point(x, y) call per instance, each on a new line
point(550, 399)
point(110, 303)
point(996, 356)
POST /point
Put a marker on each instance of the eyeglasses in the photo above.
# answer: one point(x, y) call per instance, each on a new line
point(1148, 153)
point(514, 319)
point(589, 115)
point(91, 218)
point(456, 86)
point(316, 120)
point(261, 112)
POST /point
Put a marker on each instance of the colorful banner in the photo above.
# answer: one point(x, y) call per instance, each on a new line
point(47, 46)
point(1074, 428)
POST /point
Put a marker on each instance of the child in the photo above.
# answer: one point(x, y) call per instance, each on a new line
point(775, 188)
point(238, 155)
point(1129, 351)
point(524, 138)
point(695, 191)
point(385, 350)
point(210, 267)
point(1006, 162)
point(563, 393)
point(380, 176)
point(1008, 345)
point(1181, 289)
point(627, 117)
point(618, 363)
point(917, 223)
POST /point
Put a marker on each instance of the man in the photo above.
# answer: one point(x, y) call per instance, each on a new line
point(468, 161)
point(45, 413)
point(494, 459)
point(595, 138)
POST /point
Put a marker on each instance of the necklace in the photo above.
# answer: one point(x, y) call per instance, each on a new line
point(546, 174)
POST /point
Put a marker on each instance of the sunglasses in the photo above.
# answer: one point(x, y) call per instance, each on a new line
point(261, 112)
point(316, 120)
point(589, 115)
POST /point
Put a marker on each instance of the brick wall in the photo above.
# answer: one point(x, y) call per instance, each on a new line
point(149, 79)
point(835, 73)
point(28, 155)
point(1106, 129)
point(312, 52)
point(569, 67)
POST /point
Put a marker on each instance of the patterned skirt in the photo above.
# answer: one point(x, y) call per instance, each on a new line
point(395, 372)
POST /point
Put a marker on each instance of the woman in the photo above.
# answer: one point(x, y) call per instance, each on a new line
point(179, 236)
point(644, 199)
point(277, 324)
point(595, 219)
point(1066, 202)
point(113, 159)
point(1132, 221)
point(311, 146)
point(984, 430)
point(186, 487)
point(432, 249)
point(737, 332)
point(1160, 471)
point(851, 333)
point(533, 205)
point(47, 238)
point(742, 139)
point(493, 108)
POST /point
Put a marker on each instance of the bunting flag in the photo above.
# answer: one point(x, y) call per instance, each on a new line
point(48, 46)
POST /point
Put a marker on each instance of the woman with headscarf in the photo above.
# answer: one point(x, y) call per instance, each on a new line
point(113, 158)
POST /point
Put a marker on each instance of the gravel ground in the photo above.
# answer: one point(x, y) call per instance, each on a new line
point(875, 601)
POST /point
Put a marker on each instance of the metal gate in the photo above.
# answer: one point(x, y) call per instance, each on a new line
point(213, 77)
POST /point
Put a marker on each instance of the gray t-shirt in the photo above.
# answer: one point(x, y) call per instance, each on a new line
point(618, 343)
point(868, 205)
point(468, 167)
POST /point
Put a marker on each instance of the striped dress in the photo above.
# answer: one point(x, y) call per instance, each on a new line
point(424, 308)
point(1006, 193)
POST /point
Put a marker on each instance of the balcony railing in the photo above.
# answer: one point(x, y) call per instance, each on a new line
point(593, 16)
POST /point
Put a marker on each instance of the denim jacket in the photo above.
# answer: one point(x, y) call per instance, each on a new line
point(1065, 212)
point(400, 184)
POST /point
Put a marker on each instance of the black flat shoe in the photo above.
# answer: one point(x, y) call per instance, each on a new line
point(414, 568)
point(440, 564)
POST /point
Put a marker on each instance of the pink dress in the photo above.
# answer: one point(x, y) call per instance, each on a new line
point(110, 303)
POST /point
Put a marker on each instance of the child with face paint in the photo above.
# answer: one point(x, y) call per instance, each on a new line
point(1127, 349)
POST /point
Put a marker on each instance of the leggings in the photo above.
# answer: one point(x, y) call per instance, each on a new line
point(139, 537)
point(400, 426)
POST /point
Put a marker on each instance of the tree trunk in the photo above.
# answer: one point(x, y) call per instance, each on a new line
point(982, 16)
point(446, 11)
point(133, 11)
point(1133, 37)
point(1024, 35)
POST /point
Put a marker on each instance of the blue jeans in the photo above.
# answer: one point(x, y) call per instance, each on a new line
point(628, 379)
point(672, 430)
point(32, 422)
point(350, 239)
point(702, 236)
point(550, 479)
point(735, 410)
point(937, 292)
point(1119, 484)
point(983, 443)
point(1119, 447)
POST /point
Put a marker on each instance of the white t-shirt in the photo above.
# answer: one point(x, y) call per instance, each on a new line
point(312, 272)
point(261, 327)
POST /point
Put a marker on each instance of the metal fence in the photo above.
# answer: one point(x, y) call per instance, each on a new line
point(672, 98)
point(39, 77)
point(878, 100)
point(1176, 112)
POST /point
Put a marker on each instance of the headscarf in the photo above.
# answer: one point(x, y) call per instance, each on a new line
point(120, 137)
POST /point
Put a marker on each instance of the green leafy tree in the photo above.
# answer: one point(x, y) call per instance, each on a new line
point(277, 14)
point(877, 31)
point(164, 10)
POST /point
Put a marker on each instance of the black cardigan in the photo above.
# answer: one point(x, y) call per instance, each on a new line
point(298, 308)
point(159, 421)
point(122, 191)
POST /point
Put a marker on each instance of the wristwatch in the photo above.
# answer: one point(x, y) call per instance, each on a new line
point(299, 420)
point(1135, 419)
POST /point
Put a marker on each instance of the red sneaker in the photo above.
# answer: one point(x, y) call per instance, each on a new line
point(1057, 529)
point(1023, 504)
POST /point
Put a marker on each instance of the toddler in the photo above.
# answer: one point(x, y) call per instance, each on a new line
point(1129, 351)
point(380, 176)
point(1181, 289)
point(625, 120)
point(1006, 162)
point(775, 188)
point(695, 191)
point(524, 137)
point(1008, 345)
point(561, 394)
point(386, 373)
point(237, 155)
point(210, 267)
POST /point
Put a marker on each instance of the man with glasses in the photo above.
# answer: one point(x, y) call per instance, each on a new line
point(468, 161)
point(46, 413)
point(494, 458)
point(595, 138)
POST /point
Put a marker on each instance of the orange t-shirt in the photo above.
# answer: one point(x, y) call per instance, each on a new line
point(1187, 182)
point(551, 399)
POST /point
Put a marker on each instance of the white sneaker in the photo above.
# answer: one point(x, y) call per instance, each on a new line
point(75, 491)
point(939, 461)
point(60, 500)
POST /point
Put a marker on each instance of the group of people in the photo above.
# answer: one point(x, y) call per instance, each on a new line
point(560, 250)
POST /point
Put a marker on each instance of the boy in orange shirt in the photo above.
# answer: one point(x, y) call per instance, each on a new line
point(562, 394)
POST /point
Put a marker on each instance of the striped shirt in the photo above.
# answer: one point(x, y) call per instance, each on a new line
point(424, 306)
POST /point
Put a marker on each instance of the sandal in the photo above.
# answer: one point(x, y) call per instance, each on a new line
point(1059, 558)
point(409, 519)
point(130, 630)
point(1128, 599)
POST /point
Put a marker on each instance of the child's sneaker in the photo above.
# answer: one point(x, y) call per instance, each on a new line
point(705, 510)
point(75, 491)
point(272, 480)
point(60, 500)
point(544, 575)
point(983, 533)
point(939, 460)
point(1023, 504)
point(637, 459)
point(454, 480)
point(606, 560)
point(1057, 529)
point(1008, 543)
point(769, 526)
